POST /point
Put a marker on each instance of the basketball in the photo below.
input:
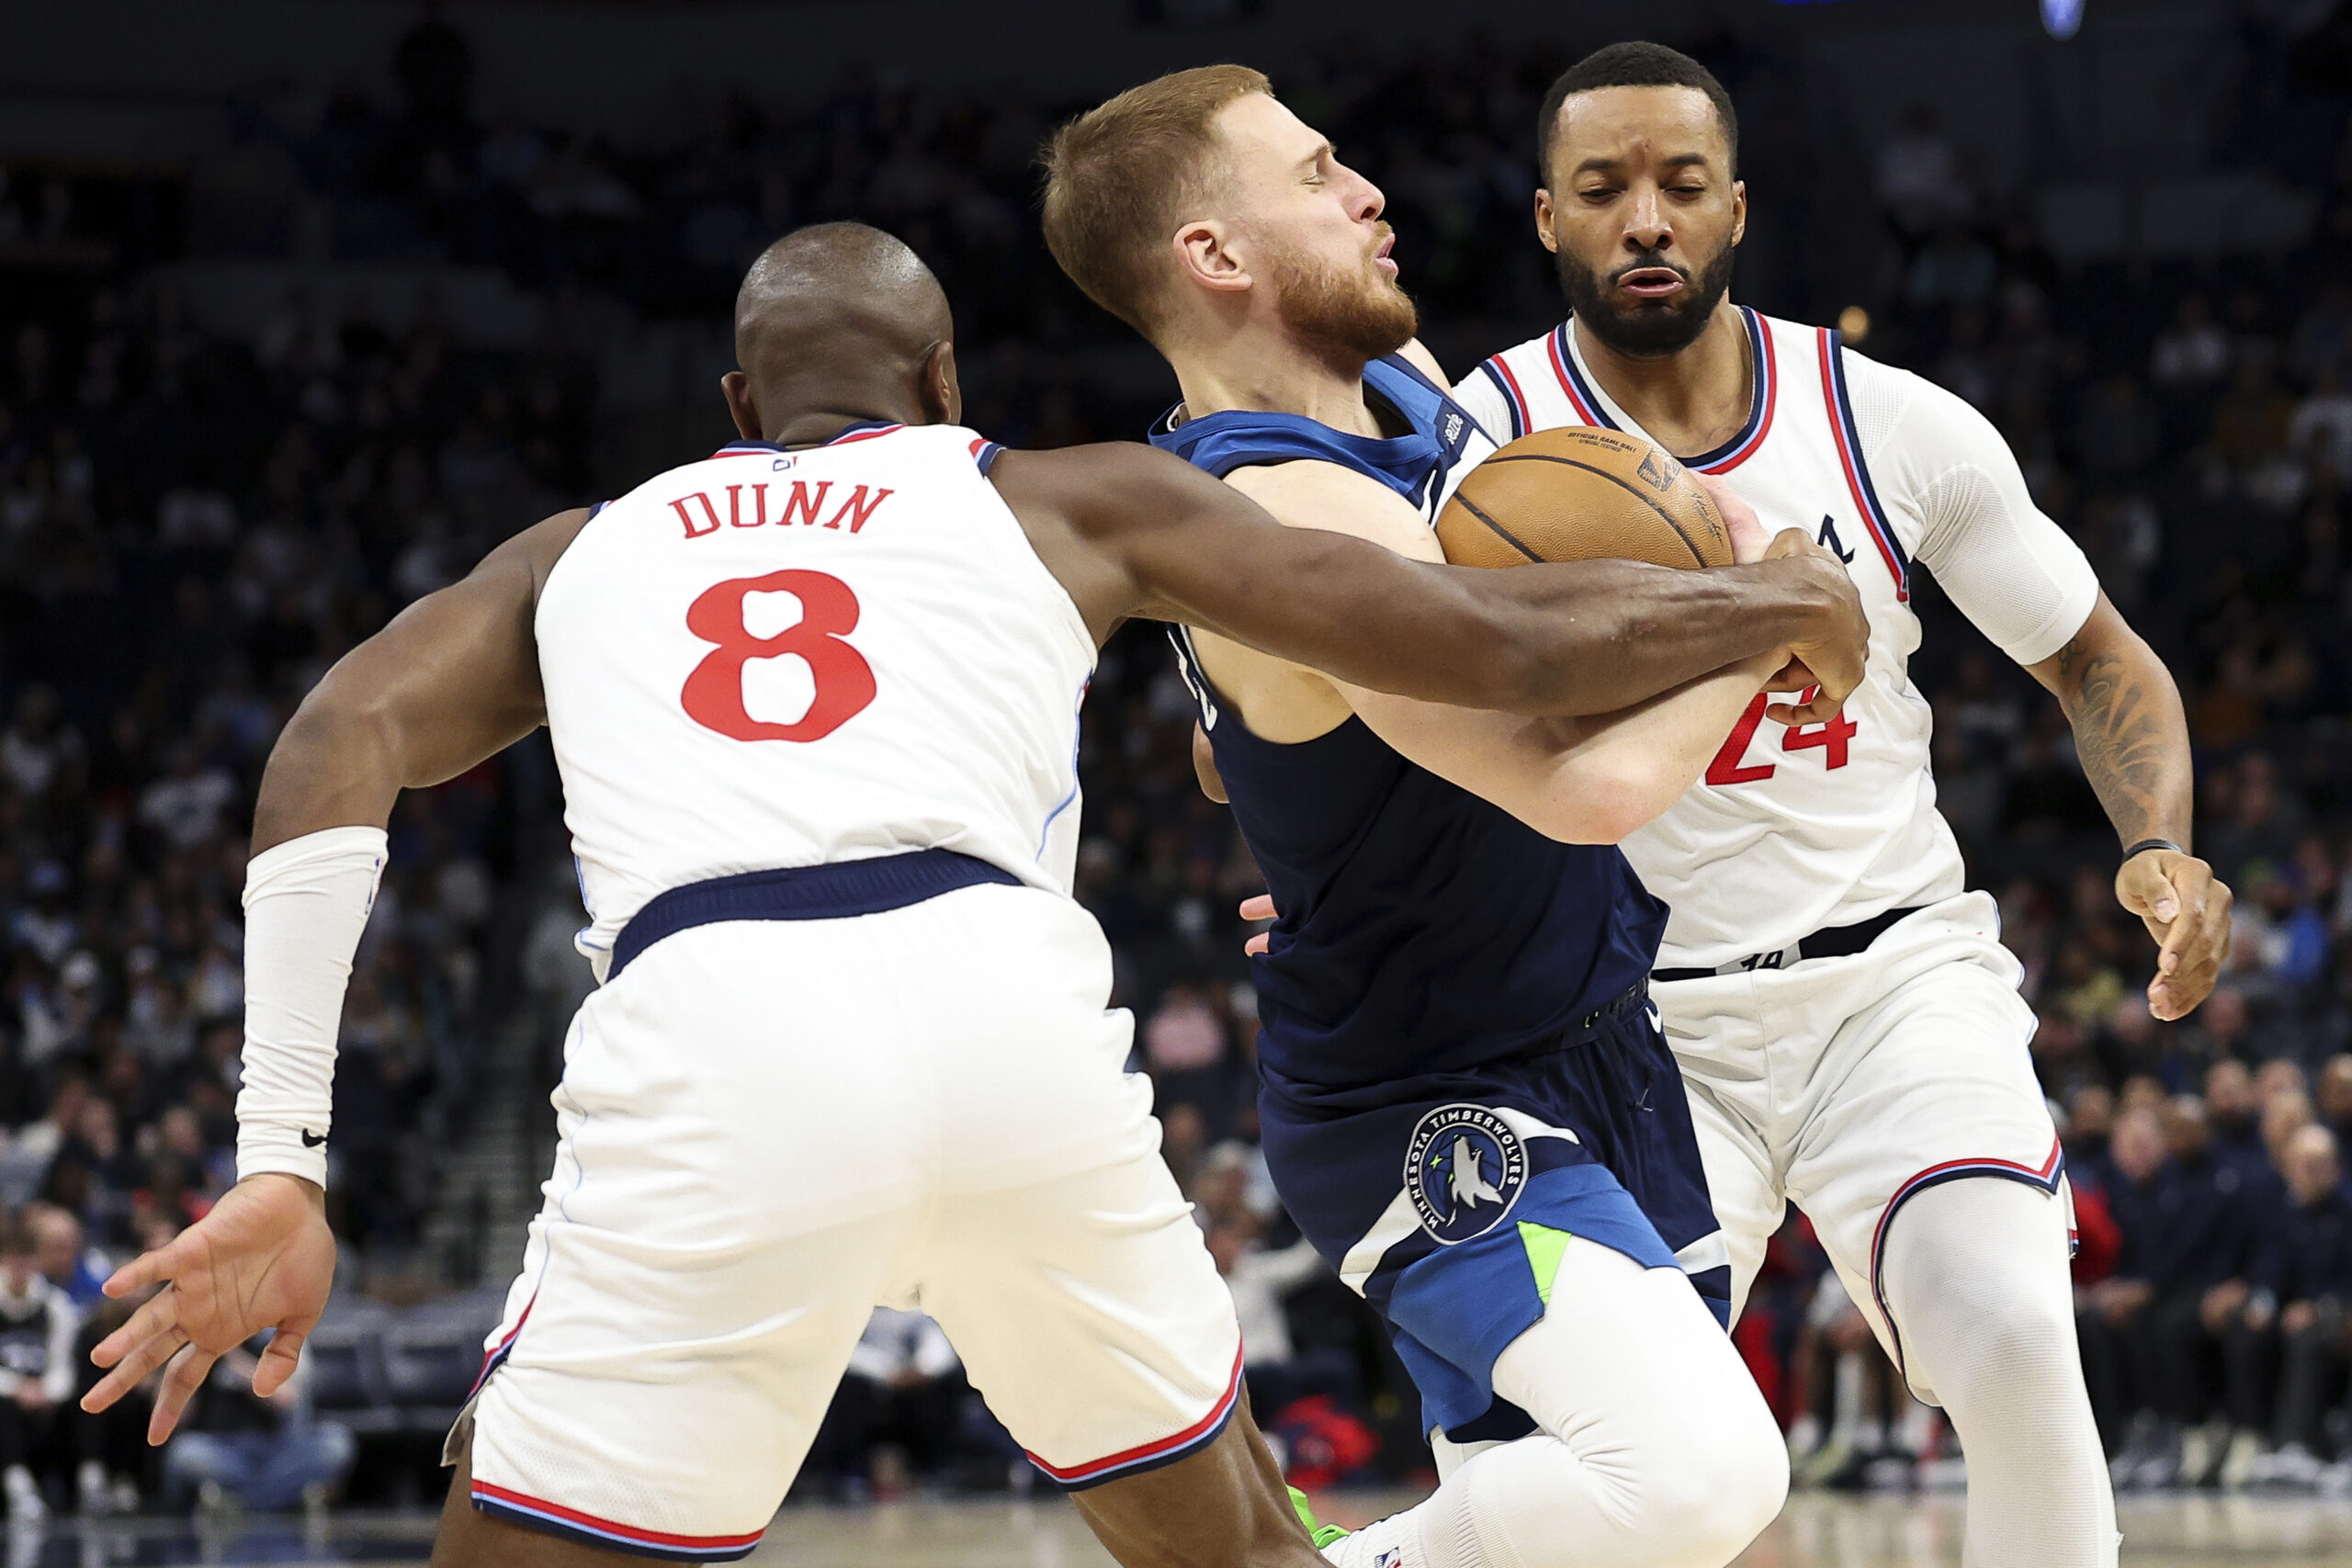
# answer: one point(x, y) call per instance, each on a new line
point(1579, 494)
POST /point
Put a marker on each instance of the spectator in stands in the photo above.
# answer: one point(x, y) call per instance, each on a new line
point(1921, 181)
point(235, 1449)
point(2223, 1208)
point(1278, 1372)
point(75, 1269)
point(1231, 1187)
point(2232, 1125)
point(2145, 1333)
point(1184, 1050)
point(37, 1326)
point(2193, 352)
point(2286, 1356)
point(1858, 1425)
point(116, 1466)
point(2335, 1105)
point(898, 1414)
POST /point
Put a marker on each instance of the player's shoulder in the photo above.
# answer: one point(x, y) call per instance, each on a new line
point(1315, 492)
point(1506, 368)
point(1495, 388)
point(1892, 407)
point(1415, 357)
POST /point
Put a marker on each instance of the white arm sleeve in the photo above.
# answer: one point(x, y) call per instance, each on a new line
point(2010, 569)
point(1485, 403)
point(306, 902)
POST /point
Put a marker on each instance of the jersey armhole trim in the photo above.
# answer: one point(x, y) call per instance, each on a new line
point(1847, 438)
point(1514, 402)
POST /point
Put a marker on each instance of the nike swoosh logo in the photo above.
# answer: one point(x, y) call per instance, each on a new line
point(312, 1140)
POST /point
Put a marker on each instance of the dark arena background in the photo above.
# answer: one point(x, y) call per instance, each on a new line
point(307, 304)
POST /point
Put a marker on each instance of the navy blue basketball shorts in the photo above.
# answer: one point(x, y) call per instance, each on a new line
point(1447, 1200)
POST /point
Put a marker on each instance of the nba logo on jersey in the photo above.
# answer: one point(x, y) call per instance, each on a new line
point(1465, 1167)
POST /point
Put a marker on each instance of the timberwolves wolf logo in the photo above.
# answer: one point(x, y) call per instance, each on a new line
point(1465, 1168)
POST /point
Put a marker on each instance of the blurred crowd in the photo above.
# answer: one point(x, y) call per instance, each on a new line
point(195, 521)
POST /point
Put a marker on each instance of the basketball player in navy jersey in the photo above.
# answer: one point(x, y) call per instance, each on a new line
point(1845, 1015)
point(1466, 1105)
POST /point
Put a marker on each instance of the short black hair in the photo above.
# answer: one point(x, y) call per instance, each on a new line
point(1633, 64)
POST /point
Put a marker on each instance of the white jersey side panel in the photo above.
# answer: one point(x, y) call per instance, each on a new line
point(777, 658)
point(1794, 830)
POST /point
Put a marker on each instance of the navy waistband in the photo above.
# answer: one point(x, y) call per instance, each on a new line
point(803, 892)
point(1626, 1003)
point(1829, 942)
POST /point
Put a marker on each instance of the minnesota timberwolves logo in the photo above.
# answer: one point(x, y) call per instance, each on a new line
point(1465, 1167)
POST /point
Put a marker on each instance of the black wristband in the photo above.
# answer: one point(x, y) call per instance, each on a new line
point(2144, 845)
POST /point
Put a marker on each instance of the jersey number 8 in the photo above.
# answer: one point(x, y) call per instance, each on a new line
point(845, 681)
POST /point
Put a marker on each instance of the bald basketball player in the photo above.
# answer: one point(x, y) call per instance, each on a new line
point(813, 700)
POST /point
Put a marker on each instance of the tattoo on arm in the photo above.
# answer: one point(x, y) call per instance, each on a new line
point(2131, 738)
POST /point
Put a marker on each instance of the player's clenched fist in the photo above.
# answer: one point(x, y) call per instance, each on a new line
point(1826, 665)
point(2186, 909)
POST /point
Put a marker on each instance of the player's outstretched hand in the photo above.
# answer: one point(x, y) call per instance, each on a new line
point(2186, 909)
point(1827, 668)
point(1260, 906)
point(263, 1258)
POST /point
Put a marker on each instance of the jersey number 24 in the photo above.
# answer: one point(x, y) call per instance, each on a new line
point(845, 681)
point(1730, 768)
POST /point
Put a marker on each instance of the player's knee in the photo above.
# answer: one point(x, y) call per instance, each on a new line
point(1712, 1472)
point(2005, 1342)
point(1988, 1322)
point(1693, 1486)
point(1730, 1476)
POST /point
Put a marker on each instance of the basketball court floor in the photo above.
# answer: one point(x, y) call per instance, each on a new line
point(1818, 1532)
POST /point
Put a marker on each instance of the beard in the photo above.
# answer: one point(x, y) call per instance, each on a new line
point(1647, 331)
point(1343, 314)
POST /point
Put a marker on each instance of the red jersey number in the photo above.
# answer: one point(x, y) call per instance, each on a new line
point(1830, 740)
point(845, 682)
point(1727, 769)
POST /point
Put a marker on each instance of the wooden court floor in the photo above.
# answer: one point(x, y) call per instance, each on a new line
point(1817, 1531)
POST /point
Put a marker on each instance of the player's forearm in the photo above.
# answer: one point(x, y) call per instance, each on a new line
point(1623, 633)
point(1625, 769)
point(2131, 733)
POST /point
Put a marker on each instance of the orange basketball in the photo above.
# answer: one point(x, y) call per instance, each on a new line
point(1577, 493)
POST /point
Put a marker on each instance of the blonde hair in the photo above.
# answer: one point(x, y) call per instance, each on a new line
point(1121, 173)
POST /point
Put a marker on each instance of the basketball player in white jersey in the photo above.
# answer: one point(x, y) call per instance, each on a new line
point(1846, 1017)
point(814, 700)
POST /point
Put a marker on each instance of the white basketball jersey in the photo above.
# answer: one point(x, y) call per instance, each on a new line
point(1794, 830)
point(779, 658)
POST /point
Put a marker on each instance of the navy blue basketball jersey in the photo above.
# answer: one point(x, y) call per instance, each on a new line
point(1424, 931)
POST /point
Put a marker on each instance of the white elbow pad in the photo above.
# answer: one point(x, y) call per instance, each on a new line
point(306, 902)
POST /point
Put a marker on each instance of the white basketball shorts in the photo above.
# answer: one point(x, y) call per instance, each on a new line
point(767, 1128)
point(1847, 1085)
